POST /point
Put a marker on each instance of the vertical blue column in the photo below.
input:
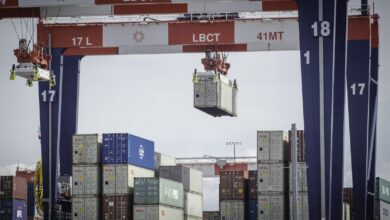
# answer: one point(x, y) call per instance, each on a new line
point(322, 35)
point(373, 119)
point(358, 86)
point(46, 97)
point(338, 110)
point(64, 104)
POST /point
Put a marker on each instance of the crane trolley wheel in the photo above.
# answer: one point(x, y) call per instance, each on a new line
point(38, 188)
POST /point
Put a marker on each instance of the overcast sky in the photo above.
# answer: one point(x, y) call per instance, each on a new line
point(152, 96)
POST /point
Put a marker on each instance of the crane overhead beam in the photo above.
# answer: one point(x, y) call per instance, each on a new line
point(74, 8)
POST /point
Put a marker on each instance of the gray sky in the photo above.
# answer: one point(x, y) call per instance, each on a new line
point(151, 96)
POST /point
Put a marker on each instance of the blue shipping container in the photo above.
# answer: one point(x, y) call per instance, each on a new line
point(252, 209)
point(13, 209)
point(128, 149)
point(30, 200)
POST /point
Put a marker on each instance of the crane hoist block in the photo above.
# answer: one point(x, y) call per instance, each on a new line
point(215, 94)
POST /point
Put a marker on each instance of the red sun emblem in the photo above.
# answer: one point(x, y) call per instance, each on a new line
point(138, 36)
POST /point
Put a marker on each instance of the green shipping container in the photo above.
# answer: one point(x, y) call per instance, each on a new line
point(153, 191)
point(382, 189)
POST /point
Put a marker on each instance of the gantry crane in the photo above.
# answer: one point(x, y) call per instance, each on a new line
point(319, 32)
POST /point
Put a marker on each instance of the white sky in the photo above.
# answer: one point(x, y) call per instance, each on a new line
point(151, 96)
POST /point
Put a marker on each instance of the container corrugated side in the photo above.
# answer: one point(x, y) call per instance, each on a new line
point(271, 206)
point(301, 177)
point(128, 149)
point(119, 179)
point(193, 204)
point(190, 217)
point(117, 207)
point(157, 212)
point(383, 210)
point(86, 179)
point(302, 206)
point(86, 149)
point(211, 215)
point(271, 177)
point(272, 146)
point(13, 187)
point(192, 179)
point(225, 185)
point(233, 210)
point(163, 160)
point(86, 208)
point(382, 189)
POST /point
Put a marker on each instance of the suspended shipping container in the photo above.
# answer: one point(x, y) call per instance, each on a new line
point(13, 187)
point(163, 160)
point(128, 149)
point(271, 177)
point(86, 179)
point(119, 179)
point(271, 207)
point(211, 215)
point(153, 191)
point(193, 205)
point(87, 149)
point(272, 146)
point(192, 179)
point(157, 212)
point(302, 206)
point(86, 208)
point(215, 94)
point(13, 209)
point(301, 177)
point(233, 210)
point(117, 207)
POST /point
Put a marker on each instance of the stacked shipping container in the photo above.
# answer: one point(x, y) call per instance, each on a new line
point(272, 157)
point(211, 215)
point(192, 180)
point(382, 199)
point(252, 194)
point(13, 196)
point(124, 157)
point(86, 173)
point(158, 198)
point(233, 195)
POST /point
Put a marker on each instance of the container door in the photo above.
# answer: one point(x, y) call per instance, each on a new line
point(122, 207)
point(78, 209)
point(226, 94)
point(78, 149)
point(165, 171)
point(92, 149)
point(108, 149)
point(263, 176)
point(19, 210)
point(118, 149)
point(140, 212)
point(277, 207)
point(91, 180)
point(108, 179)
point(78, 180)
point(109, 208)
point(200, 93)
point(92, 208)
point(263, 145)
point(168, 213)
point(152, 191)
point(211, 93)
point(264, 203)
point(122, 179)
point(277, 177)
point(276, 147)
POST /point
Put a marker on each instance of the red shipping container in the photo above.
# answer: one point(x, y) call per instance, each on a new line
point(233, 185)
point(13, 187)
point(252, 184)
point(116, 207)
point(301, 147)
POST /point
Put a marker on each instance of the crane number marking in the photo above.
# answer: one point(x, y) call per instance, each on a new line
point(48, 93)
point(276, 35)
point(324, 28)
point(77, 41)
point(360, 85)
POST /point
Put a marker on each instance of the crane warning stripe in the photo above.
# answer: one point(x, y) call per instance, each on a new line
point(150, 9)
point(279, 5)
point(100, 2)
point(200, 33)
point(72, 36)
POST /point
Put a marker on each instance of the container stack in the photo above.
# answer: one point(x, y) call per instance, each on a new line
point(162, 160)
point(211, 215)
point(272, 187)
point(302, 196)
point(86, 176)
point(192, 180)
point(252, 194)
point(124, 157)
point(382, 199)
point(158, 199)
point(13, 197)
point(233, 195)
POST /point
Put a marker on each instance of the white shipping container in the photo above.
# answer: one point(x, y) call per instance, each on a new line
point(119, 179)
point(86, 180)
point(272, 145)
point(189, 217)
point(271, 177)
point(86, 208)
point(271, 207)
point(301, 177)
point(157, 212)
point(384, 210)
point(193, 204)
point(191, 178)
point(86, 148)
point(302, 206)
point(232, 209)
point(163, 160)
point(346, 211)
